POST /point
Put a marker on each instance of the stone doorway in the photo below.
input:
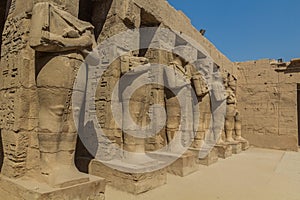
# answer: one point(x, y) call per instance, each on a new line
point(298, 111)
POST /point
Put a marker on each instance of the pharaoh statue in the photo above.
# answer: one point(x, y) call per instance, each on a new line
point(135, 107)
point(61, 42)
point(200, 84)
point(232, 119)
point(218, 101)
point(179, 104)
point(125, 114)
point(230, 115)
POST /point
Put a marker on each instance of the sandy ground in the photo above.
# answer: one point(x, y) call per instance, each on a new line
point(257, 174)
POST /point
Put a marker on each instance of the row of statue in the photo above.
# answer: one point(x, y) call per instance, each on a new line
point(61, 43)
point(184, 89)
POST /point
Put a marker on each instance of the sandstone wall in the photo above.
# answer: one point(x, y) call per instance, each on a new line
point(124, 14)
point(176, 20)
point(268, 105)
point(17, 93)
point(128, 14)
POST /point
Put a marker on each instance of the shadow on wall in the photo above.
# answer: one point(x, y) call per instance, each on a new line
point(95, 12)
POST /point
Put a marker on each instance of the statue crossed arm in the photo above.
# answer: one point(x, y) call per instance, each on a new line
point(55, 30)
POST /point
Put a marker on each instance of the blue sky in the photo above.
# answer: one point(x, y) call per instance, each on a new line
point(248, 29)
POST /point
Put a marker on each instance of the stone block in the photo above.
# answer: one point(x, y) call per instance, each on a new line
point(29, 189)
point(136, 183)
point(224, 151)
point(236, 147)
point(245, 145)
point(182, 166)
point(209, 159)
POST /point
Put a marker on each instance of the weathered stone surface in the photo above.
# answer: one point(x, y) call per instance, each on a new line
point(45, 42)
point(236, 147)
point(267, 99)
point(136, 183)
point(29, 189)
point(209, 159)
point(224, 151)
point(245, 145)
point(182, 165)
point(41, 49)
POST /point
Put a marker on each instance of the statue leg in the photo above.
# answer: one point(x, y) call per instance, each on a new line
point(173, 122)
point(134, 114)
point(229, 128)
point(199, 126)
point(238, 131)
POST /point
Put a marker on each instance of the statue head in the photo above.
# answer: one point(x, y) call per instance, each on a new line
point(230, 97)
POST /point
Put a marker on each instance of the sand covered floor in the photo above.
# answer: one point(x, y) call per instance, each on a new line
point(258, 174)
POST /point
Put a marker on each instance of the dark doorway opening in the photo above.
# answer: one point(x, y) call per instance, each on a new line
point(146, 35)
point(95, 12)
point(298, 111)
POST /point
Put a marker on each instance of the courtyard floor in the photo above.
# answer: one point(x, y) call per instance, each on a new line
point(257, 174)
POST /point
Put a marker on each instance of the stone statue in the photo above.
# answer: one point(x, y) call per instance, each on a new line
point(232, 120)
point(218, 96)
point(201, 90)
point(135, 107)
point(61, 41)
point(179, 114)
point(230, 115)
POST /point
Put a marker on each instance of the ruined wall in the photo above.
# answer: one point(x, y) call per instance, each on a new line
point(268, 105)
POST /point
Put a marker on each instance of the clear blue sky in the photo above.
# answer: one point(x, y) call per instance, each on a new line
point(248, 29)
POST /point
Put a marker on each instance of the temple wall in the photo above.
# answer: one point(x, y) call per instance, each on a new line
point(128, 11)
point(18, 109)
point(124, 15)
point(268, 105)
point(176, 20)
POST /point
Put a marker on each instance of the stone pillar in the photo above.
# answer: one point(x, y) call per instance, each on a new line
point(24, 111)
